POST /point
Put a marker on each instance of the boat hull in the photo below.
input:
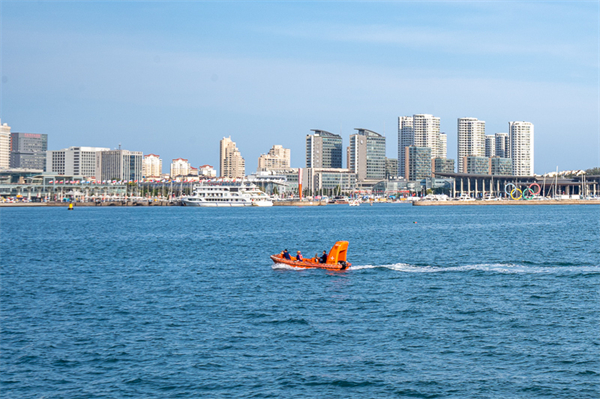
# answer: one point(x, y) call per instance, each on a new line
point(309, 264)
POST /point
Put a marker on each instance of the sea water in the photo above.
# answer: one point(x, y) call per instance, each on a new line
point(180, 302)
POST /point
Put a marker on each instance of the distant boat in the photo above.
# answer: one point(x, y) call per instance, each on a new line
point(226, 194)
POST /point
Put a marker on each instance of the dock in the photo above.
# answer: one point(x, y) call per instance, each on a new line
point(508, 202)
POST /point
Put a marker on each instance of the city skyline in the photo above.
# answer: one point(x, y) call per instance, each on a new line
point(175, 78)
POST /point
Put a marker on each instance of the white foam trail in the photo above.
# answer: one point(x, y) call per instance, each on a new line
point(495, 268)
point(283, 266)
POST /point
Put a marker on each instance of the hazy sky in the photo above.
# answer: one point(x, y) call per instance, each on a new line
point(174, 78)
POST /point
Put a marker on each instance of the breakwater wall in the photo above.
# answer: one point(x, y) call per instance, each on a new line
point(507, 202)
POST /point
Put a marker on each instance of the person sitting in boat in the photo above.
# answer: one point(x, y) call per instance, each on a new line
point(316, 258)
point(286, 254)
point(299, 256)
point(323, 258)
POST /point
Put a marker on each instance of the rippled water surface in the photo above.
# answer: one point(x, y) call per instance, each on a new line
point(478, 302)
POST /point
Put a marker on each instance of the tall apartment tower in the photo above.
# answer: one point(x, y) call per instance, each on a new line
point(28, 150)
point(277, 158)
point(490, 145)
point(419, 130)
point(502, 145)
point(4, 146)
point(471, 140)
point(231, 162)
point(323, 149)
point(521, 147)
point(366, 155)
point(152, 166)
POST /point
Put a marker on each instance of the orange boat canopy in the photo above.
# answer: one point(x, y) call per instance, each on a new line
point(336, 259)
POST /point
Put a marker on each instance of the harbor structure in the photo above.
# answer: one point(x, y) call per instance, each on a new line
point(490, 145)
point(75, 161)
point(323, 150)
point(502, 145)
point(521, 147)
point(28, 150)
point(417, 162)
point(232, 164)
point(152, 166)
point(277, 158)
point(366, 155)
point(470, 140)
point(119, 165)
point(420, 130)
point(4, 145)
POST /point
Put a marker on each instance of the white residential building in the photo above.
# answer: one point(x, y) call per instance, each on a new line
point(277, 158)
point(471, 140)
point(180, 167)
point(152, 167)
point(490, 145)
point(4, 146)
point(502, 145)
point(420, 130)
point(207, 171)
point(231, 162)
point(521, 147)
point(75, 161)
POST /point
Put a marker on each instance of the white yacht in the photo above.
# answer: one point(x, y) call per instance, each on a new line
point(226, 194)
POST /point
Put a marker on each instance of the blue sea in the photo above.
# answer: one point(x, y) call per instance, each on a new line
point(181, 302)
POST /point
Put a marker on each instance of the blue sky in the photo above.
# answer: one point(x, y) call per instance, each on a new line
point(174, 78)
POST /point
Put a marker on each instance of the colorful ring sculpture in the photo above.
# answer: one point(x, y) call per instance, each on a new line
point(528, 194)
point(539, 189)
point(514, 191)
point(506, 188)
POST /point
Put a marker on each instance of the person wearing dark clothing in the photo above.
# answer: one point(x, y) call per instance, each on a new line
point(299, 256)
point(286, 254)
point(323, 258)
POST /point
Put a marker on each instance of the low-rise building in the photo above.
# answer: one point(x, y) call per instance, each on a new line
point(277, 158)
point(207, 171)
point(476, 165)
point(75, 161)
point(119, 165)
point(501, 166)
point(443, 165)
point(316, 179)
point(180, 167)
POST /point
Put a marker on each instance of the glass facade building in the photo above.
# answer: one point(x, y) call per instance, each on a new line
point(417, 162)
point(323, 150)
point(443, 165)
point(501, 166)
point(476, 165)
point(28, 150)
point(366, 155)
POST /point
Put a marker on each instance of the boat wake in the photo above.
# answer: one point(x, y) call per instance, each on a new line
point(494, 268)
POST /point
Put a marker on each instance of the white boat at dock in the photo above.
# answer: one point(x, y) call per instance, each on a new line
point(226, 194)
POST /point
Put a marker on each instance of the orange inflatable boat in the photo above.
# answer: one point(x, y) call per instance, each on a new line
point(336, 259)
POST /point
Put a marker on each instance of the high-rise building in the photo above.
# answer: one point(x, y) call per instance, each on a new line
point(391, 168)
point(323, 150)
point(277, 158)
point(231, 162)
point(420, 130)
point(443, 165)
point(28, 150)
point(119, 165)
point(417, 162)
point(490, 145)
point(502, 145)
point(501, 166)
point(442, 146)
point(152, 167)
point(366, 155)
point(4, 146)
point(521, 147)
point(471, 140)
point(476, 165)
point(75, 161)
point(180, 167)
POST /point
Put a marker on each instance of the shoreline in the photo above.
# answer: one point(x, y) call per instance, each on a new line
point(508, 202)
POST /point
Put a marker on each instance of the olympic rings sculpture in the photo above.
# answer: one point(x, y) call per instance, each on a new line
point(526, 194)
